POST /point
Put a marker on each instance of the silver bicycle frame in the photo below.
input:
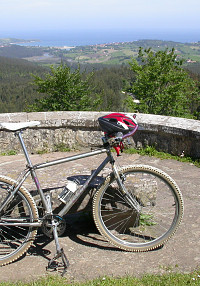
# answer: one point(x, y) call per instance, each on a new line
point(84, 187)
point(32, 168)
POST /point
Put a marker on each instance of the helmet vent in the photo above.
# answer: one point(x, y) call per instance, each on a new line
point(113, 120)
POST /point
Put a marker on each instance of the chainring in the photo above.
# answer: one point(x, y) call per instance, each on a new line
point(47, 228)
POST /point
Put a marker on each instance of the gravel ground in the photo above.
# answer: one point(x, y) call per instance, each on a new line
point(89, 254)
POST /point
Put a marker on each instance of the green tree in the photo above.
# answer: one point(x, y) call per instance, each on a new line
point(162, 86)
point(63, 89)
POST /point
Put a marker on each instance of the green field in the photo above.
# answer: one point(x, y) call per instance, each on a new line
point(119, 53)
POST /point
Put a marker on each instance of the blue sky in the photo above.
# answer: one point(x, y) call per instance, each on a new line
point(35, 15)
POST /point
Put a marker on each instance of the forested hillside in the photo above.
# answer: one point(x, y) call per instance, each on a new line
point(16, 51)
point(109, 83)
point(16, 87)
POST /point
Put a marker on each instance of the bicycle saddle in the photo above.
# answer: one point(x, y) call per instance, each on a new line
point(19, 125)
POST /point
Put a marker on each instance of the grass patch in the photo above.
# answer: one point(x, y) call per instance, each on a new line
point(146, 219)
point(42, 151)
point(61, 147)
point(9, 153)
point(151, 151)
point(168, 279)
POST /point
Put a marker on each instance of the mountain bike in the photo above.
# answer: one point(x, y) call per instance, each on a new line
point(135, 208)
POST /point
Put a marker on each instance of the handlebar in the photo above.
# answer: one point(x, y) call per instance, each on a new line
point(121, 138)
point(117, 142)
point(131, 133)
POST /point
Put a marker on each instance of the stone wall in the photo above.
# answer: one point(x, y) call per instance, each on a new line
point(80, 129)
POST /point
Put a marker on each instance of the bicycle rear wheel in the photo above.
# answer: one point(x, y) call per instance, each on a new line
point(15, 240)
point(160, 209)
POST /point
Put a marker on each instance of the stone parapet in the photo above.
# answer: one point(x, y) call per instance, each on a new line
point(81, 129)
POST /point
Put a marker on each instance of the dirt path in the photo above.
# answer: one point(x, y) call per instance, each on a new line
point(89, 255)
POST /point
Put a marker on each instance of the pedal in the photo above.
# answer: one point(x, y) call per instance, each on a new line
point(55, 265)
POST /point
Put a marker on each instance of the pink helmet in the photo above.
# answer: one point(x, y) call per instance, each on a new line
point(117, 122)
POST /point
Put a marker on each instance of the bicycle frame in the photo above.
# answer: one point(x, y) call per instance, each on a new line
point(31, 170)
point(88, 181)
point(128, 207)
point(49, 219)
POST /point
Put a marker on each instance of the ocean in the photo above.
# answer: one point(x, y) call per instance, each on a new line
point(83, 38)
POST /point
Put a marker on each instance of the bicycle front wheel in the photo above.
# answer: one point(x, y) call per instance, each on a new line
point(152, 223)
point(15, 240)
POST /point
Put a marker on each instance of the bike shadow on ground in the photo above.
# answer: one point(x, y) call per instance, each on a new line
point(80, 226)
point(81, 229)
point(84, 231)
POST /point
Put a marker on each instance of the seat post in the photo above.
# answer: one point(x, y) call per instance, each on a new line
point(19, 135)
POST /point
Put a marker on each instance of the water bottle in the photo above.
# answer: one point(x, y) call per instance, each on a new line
point(68, 191)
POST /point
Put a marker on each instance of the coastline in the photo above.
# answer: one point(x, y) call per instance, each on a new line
point(85, 37)
point(46, 45)
point(63, 47)
point(100, 53)
point(71, 40)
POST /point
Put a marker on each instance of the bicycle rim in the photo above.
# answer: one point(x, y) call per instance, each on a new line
point(161, 209)
point(15, 240)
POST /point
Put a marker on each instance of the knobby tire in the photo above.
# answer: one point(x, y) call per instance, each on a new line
point(15, 240)
point(160, 202)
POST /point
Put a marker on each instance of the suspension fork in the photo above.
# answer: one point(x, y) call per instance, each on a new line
point(129, 199)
